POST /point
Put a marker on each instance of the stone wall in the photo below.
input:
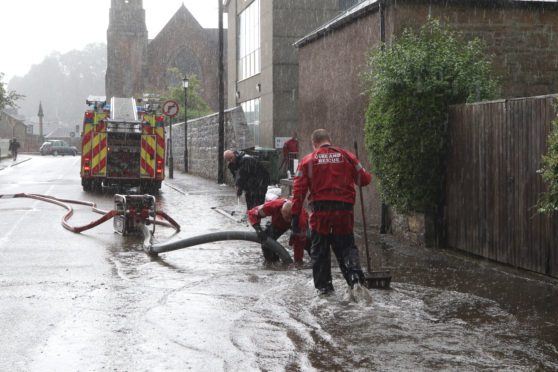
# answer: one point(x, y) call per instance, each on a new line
point(203, 142)
point(520, 35)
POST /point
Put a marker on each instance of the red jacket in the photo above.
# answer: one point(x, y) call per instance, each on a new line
point(272, 208)
point(290, 146)
point(329, 173)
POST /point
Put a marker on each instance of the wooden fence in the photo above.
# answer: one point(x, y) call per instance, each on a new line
point(492, 183)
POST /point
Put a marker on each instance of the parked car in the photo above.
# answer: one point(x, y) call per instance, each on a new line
point(44, 148)
point(58, 147)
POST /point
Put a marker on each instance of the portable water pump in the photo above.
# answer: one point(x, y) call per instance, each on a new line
point(133, 212)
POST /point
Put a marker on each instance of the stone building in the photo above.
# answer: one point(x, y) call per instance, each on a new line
point(135, 63)
point(263, 65)
point(332, 57)
point(12, 125)
point(126, 49)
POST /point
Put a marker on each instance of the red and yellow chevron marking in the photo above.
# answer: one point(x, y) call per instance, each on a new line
point(99, 154)
point(146, 129)
point(86, 148)
point(147, 169)
point(100, 122)
point(160, 131)
point(148, 124)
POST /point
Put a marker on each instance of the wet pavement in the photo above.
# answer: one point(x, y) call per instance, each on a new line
point(94, 301)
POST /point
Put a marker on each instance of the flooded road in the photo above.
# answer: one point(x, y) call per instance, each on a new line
point(95, 301)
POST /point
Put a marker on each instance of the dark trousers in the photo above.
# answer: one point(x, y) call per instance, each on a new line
point(346, 253)
point(274, 233)
point(255, 197)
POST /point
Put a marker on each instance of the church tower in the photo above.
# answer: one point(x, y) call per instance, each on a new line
point(126, 49)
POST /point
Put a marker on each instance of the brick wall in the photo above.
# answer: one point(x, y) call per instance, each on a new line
point(520, 36)
point(203, 142)
point(331, 96)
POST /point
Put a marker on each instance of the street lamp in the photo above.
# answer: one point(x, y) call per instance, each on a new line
point(185, 85)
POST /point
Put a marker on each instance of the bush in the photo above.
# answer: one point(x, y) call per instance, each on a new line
point(548, 201)
point(411, 83)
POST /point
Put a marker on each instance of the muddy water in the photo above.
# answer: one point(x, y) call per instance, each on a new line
point(218, 307)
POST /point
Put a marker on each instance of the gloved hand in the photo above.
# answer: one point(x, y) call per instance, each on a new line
point(295, 223)
point(261, 234)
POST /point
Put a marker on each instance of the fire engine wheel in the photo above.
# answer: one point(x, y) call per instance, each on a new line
point(97, 186)
point(150, 187)
point(87, 184)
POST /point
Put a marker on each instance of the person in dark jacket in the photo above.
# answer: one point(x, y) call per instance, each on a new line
point(280, 211)
point(330, 174)
point(250, 177)
point(14, 146)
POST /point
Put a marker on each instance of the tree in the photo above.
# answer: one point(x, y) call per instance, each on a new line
point(197, 107)
point(411, 83)
point(62, 82)
point(7, 98)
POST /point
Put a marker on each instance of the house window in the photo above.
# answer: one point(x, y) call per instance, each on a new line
point(252, 111)
point(249, 41)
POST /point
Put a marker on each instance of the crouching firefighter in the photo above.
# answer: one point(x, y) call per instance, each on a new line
point(280, 211)
point(329, 174)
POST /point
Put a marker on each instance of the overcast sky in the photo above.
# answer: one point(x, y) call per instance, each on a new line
point(30, 30)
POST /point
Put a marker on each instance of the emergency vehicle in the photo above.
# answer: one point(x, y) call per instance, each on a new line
point(123, 145)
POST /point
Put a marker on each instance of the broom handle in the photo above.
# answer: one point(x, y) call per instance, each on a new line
point(363, 217)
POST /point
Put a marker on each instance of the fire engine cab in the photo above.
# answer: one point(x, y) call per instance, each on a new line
point(123, 145)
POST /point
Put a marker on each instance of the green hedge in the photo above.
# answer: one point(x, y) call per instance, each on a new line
point(411, 83)
point(548, 201)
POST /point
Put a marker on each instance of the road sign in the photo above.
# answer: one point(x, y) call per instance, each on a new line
point(170, 108)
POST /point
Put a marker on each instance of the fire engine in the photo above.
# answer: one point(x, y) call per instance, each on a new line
point(123, 145)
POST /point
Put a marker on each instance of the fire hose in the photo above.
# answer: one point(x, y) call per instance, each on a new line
point(155, 249)
point(269, 243)
point(107, 215)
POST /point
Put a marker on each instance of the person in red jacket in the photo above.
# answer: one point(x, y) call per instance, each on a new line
point(280, 211)
point(290, 152)
point(329, 174)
